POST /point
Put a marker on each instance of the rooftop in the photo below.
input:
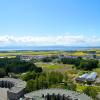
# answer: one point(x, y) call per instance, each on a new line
point(72, 94)
point(18, 84)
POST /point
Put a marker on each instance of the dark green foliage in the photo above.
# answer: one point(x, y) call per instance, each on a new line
point(46, 59)
point(38, 70)
point(88, 64)
point(15, 65)
point(79, 63)
point(75, 61)
point(2, 72)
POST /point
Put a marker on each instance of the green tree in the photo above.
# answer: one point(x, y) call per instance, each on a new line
point(31, 85)
point(43, 81)
point(71, 86)
point(88, 64)
point(28, 76)
point(2, 72)
point(55, 77)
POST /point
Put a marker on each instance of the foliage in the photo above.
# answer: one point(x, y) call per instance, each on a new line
point(65, 76)
point(46, 59)
point(79, 63)
point(90, 91)
point(2, 72)
point(55, 77)
point(31, 85)
point(88, 64)
point(75, 61)
point(28, 76)
point(43, 80)
point(70, 86)
point(14, 65)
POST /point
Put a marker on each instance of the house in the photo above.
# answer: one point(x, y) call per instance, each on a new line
point(92, 76)
point(82, 78)
point(25, 57)
point(87, 77)
point(29, 57)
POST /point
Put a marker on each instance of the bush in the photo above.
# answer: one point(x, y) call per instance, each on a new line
point(28, 76)
point(90, 91)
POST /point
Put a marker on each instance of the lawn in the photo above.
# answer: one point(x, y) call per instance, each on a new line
point(54, 67)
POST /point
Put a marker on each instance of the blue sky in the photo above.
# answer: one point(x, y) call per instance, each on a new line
point(50, 22)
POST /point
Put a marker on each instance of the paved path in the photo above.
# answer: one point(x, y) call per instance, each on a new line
point(3, 93)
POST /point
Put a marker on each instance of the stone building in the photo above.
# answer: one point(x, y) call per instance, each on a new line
point(55, 94)
point(15, 87)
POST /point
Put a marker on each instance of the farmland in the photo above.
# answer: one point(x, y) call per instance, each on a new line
point(14, 53)
point(29, 52)
point(56, 69)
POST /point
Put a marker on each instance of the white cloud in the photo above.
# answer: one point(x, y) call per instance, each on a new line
point(50, 40)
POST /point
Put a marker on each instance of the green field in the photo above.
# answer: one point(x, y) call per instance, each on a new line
point(54, 67)
point(14, 53)
point(29, 52)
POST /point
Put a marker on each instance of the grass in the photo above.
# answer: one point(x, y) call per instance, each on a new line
point(49, 65)
point(80, 88)
point(13, 53)
point(79, 54)
point(98, 71)
point(54, 67)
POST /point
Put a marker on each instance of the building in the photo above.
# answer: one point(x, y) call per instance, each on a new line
point(82, 78)
point(15, 87)
point(87, 77)
point(55, 94)
point(29, 57)
point(92, 76)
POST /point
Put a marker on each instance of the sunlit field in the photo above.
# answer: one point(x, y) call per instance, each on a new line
point(54, 66)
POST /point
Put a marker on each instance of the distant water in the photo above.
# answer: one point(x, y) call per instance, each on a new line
point(65, 48)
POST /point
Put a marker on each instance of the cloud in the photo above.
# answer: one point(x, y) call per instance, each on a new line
point(70, 40)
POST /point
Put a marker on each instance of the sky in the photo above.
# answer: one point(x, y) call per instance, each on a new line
point(49, 22)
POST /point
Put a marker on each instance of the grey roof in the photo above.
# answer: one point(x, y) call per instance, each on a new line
point(84, 75)
point(92, 76)
point(18, 84)
point(89, 77)
point(73, 94)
